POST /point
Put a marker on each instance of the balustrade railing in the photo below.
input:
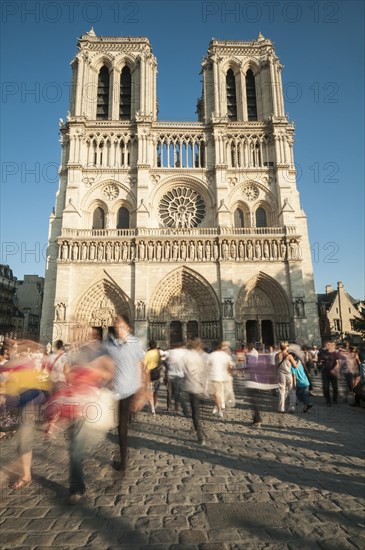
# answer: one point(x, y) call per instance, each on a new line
point(178, 232)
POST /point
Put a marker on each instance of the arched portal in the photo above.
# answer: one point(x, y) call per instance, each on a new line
point(184, 305)
point(263, 313)
point(98, 308)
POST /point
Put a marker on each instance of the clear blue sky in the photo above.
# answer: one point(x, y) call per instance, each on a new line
point(320, 44)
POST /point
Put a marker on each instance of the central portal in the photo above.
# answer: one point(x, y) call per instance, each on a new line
point(184, 306)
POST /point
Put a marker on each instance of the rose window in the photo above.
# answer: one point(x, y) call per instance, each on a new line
point(250, 192)
point(181, 207)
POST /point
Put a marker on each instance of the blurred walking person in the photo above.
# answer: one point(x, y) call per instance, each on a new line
point(26, 387)
point(284, 361)
point(195, 378)
point(220, 366)
point(152, 362)
point(127, 354)
point(329, 360)
point(90, 371)
point(175, 375)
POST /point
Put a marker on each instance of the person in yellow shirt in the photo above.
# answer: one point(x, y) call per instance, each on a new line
point(152, 361)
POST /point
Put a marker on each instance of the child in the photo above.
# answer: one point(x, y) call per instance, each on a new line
point(301, 384)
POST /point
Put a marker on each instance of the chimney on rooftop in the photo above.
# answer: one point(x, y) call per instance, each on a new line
point(329, 289)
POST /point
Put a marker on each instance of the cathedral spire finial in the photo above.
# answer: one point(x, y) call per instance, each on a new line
point(91, 32)
point(260, 37)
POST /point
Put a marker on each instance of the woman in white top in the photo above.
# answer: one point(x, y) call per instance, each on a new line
point(284, 362)
point(220, 365)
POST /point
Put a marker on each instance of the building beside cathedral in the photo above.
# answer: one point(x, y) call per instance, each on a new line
point(189, 228)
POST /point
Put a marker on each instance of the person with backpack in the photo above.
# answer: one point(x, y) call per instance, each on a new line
point(301, 384)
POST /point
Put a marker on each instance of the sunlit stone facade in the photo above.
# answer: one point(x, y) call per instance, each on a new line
point(190, 228)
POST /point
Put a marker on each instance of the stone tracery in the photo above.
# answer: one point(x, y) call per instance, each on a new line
point(182, 207)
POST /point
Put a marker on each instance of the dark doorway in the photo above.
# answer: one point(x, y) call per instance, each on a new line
point(192, 330)
point(267, 331)
point(252, 332)
point(176, 333)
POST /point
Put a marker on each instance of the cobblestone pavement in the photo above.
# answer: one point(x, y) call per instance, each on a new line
point(298, 482)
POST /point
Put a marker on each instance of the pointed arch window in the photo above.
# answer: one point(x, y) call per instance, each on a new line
point(123, 218)
point(231, 95)
point(239, 218)
point(261, 218)
point(99, 218)
point(251, 96)
point(125, 94)
point(102, 108)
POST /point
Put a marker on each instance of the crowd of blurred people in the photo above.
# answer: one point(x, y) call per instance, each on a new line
point(95, 386)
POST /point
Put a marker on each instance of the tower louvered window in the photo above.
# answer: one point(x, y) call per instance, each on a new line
point(251, 96)
point(231, 95)
point(102, 109)
point(125, 94)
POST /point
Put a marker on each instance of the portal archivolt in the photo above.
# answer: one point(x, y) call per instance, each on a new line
point(263, 311)
point(100, 304)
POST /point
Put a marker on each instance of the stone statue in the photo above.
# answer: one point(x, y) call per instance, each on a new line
point(167, 250)
point(192, 250)
point(249, 250)
point(183, 251)
point(200, 250)
point(60, 312)
point(225, 251)
point(92, 252)
point(175, 251)
point(84, 252)
point(141, 250)
point(64, 251)
point(294, 250)
point(215, 250)
point(233, 250)
point(241, 250)
point(274, 250)
point(150, 251)
point(109, 252)
point(228, 308)
point(283, 250)
point(140, 310)
point(266, 251)
point(299, 308)
point(75, 252)
point(116, 252)
point(159, 251)
point(208, 251)
point(100, 252)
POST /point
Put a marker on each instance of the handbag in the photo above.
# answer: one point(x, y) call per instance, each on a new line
point(96, 407)
point(100, 411)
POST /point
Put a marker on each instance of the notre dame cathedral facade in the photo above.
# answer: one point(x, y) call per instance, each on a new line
point(189, 228)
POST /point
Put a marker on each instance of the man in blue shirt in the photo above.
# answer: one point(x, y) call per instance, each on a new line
point(127, 354)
